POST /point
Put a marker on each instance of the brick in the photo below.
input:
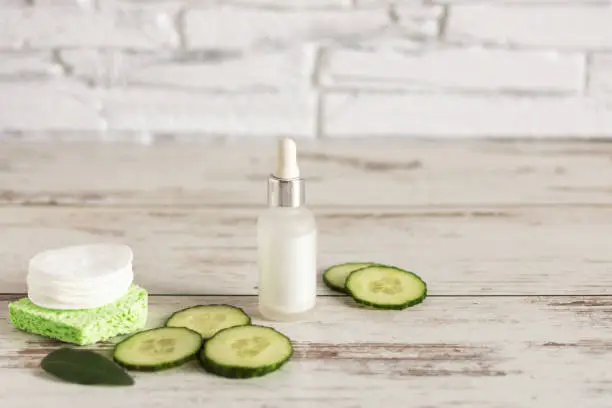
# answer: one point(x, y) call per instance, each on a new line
point(280, 4)
point(54, 105)
point(560, 26)
point(27, 65)
point(13, 4)
point(82, 4)
point(360, 115)
point(600, 75)
point(457, 69)
point(151, 7)
point(213, 114)
point(368, 3)
point(288, 4)
point(523, 2)
point(229, 27)
point(197, 70)
point(121, 5)
point(417, 22)
point(74, 27)
point(103, 68)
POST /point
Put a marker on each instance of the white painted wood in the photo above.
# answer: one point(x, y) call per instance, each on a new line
point(52, 105)
point(233, 27)
point(193, 72)
point(454, 69)
point(436, 115)
point(495, 218)
point(27, 65)
point(532, 25)
point(600, 76)
point(446, 352)
point(499, 251)
point(374, 173)
point(441, 321)
point(77, 27)
point(258, 114)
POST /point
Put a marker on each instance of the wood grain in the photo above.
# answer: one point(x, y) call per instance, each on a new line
point(488, 352)
point(340, 173)
point(476, 251)
point(474, 219)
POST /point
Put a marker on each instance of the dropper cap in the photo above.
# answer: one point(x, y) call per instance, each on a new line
point(285, 186)
point(286, 160)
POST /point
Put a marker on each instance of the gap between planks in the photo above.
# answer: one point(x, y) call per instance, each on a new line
point(464, 208)
point(15, 296)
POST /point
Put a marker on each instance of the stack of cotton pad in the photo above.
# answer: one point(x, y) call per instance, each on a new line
point(81, 294)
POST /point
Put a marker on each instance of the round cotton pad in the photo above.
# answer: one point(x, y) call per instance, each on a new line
point(80, 277)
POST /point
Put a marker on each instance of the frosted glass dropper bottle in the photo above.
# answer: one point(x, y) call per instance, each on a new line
point(287, 243)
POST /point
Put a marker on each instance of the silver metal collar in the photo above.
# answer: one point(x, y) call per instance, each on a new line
point(286, 192)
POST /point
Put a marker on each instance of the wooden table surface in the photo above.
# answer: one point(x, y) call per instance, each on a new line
point(513, 240)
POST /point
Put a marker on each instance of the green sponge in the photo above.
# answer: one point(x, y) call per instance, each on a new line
point(85, 326)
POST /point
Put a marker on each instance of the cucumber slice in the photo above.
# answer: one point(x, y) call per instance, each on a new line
point(245, 352)
point(335, 276)
point(208, 320)
point(386, 287)
point(157, 349)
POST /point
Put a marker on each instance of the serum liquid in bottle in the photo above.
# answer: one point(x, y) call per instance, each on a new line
point(287, 244)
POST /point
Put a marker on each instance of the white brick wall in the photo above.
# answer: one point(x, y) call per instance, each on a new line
point(18, 66)
point(236, 27)
point(48, 27)
point(600, 76)
point(554, 26)
point(254, 114)
point(269, 71)
point(56, 106)
point(364, 115)
point(454, 70)
point(306, 68)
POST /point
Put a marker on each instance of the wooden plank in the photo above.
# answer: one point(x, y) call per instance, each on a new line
point(341, 173)
point(478, 251)
point(482, 353)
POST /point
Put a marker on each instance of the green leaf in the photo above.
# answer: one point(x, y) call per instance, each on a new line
point(84, 367)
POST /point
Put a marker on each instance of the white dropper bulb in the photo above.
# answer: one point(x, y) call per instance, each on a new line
point(286, 165)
